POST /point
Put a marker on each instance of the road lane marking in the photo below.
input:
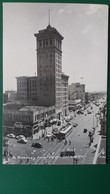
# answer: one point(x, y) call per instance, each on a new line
point(46, 152)
point(49, 153)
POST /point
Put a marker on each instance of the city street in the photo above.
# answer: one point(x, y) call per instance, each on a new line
point(50, 153)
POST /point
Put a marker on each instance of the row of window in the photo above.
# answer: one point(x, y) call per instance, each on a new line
point(33, 94)
point(17, 117)
point(45, 43)
point(58, 66)
point(49, 42)
point(22, 94)
point(45, 61)
point(46, 55)
point(46, 84)
point(46, 88)
point(57, 61)
point(22, 85)
point(32, 98)
point(65, 89)
point(58, 56)
point(46, 74)
point(42, 115)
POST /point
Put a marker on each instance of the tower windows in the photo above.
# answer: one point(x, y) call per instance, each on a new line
point(50, 41)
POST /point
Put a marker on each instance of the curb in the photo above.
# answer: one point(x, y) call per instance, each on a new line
point(98, 147)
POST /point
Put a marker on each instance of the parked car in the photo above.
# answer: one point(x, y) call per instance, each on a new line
point(89, 112)
point(20, 136)
point(67, 153)
point(80, 112)
point(22, 140)
point(37, 145)
point(58, 123)
point(55, 130)
point(11, 135)
point(75, 125)
point(85, 131)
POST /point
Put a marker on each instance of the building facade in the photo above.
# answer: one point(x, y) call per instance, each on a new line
point(64, 86)
point(49, 67)
point(26, 115)
point(27, 89)
point(74, 104)
point(5, 97)
point(77, 91)
point(11, 95)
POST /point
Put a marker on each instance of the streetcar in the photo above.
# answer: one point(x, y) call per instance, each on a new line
point(63, 134)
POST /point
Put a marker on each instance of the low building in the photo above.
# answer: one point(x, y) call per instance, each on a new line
point(27, 115)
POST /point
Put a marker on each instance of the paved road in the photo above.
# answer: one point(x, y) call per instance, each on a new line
point(50, 152)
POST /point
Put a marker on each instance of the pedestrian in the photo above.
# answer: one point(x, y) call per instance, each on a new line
point(65, 142)
point(89, 144)
point(20, 162)
point(69, 142)
point(27, 161)
point(10, 155)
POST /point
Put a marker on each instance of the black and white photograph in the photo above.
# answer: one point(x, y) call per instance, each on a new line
point(55, 60)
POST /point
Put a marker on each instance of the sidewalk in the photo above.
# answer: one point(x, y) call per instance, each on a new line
point(37, 135)
point(91, 151)
point(100, 157)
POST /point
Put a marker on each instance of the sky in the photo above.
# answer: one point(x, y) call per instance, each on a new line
point(85, 31)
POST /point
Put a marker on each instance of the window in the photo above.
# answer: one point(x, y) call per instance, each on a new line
point(46, 42)
point(40, 43)
point(50, 41)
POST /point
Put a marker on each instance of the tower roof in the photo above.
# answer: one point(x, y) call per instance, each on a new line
point(48, 30)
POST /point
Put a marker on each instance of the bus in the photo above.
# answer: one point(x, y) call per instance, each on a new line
point(63, 134)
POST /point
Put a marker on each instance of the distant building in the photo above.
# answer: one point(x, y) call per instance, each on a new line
point(77, 91)
point(5, 97)
point(11, 95)
point(64, 86)
point(103, 120)
point(27, 89)
point(74, 104)
point(87, 97)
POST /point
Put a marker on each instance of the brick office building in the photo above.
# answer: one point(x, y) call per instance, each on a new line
point(27, 89)
point(49, 68)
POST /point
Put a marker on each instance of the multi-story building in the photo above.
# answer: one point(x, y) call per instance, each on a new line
point(49, 68)
point(11, 95)
point(64, 86)
point(5, 97)
point(26, 115)
point(27, 89)
point(50, 86)
point(77, 91)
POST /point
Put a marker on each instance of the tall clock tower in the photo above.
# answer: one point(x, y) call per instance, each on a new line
point(49, 67)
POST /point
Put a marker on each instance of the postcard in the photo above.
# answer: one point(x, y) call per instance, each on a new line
point(55, 59)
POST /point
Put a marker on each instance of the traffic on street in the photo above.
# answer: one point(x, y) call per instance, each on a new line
point(73, 141)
